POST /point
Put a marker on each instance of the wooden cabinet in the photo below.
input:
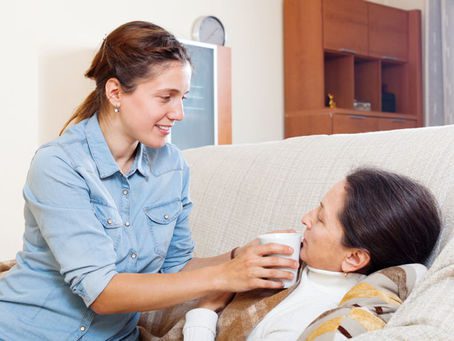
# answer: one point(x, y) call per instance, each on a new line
point(355, 51)
point(345, 26)
point(345, 123)
point(395, 123)
point(353, 123)
point(388, 32)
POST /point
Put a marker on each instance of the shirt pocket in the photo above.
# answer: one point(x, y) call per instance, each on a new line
point(162, 219)
point(110, 220)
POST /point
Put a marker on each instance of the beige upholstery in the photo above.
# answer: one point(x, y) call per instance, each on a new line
point(241, 191)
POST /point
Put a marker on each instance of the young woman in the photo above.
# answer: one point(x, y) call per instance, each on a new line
point(371, 220)
point(107, 206)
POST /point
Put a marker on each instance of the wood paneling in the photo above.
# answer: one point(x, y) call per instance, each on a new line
point(368, 82)
point(415, 90)
point(339, 79)
point(348, 124)
point(303, 55)
point(345, 25)
point(224, 88)
point(388, 32)
point(395, 78)
point(308, 123)
point(395, 123)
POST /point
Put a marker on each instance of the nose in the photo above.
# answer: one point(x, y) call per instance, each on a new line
point(306, 220)
point(177, 112)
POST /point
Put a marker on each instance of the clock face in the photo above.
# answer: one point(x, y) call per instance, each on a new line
point(209, 30)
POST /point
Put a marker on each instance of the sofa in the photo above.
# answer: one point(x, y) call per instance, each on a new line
point(241, 191)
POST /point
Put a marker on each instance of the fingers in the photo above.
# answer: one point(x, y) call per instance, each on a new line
point(283, 231)
point(274, 274)
point(277, 262)
point(272, 282)
point(269, 284)
point(273, 248)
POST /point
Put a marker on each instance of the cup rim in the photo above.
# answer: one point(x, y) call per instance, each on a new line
point(280, 234)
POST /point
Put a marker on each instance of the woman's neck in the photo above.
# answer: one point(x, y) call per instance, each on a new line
point(333, 278)
point(122, 147)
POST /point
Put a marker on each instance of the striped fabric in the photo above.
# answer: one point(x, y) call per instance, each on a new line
point(368, 306)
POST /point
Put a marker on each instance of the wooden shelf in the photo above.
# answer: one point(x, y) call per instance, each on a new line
point(354, 50)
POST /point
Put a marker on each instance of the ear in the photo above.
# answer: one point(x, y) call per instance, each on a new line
point(113, 91)
point(355, 260)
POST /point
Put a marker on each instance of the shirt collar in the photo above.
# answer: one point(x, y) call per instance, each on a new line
point(141, 162)
point(102, 155)
point(333, 278)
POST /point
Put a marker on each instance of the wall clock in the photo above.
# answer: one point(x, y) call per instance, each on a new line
point(209, 29)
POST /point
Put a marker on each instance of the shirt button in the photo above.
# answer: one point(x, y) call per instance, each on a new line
point(109, 221)
point(125, 192)
point(82, 328)
point(127, 224)
point(133, 255)
point(166, 216)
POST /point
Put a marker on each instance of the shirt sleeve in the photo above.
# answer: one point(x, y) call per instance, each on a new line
point(200, 325)
point(181, 245)
point(58, 199)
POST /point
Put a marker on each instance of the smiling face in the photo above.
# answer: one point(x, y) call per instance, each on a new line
point(322, 247)
point(148, 113)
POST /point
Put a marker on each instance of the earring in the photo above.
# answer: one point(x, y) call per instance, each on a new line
point(117, 108)
point(345, 274)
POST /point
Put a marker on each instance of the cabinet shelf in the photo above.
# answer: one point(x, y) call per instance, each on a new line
point(353, 50)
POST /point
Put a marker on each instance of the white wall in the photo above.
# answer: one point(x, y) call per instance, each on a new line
point(48, 44)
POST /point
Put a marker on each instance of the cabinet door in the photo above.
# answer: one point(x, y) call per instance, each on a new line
point(346, 124)
point(388, 32)
point(395, 123)
point(345, 26)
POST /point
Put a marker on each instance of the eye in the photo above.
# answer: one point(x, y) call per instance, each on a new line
point(165, 98)
point(319, 215)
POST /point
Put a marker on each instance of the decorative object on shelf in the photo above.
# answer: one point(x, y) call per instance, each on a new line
point(209, 29)
point(388, 100)
point(365, 106)
point(330, 100)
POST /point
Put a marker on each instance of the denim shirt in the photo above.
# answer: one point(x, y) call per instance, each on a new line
point(85, 222)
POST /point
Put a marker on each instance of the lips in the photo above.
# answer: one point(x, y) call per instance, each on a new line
point(164, 129)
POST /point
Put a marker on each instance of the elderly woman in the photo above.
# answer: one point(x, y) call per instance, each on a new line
point(373, 219)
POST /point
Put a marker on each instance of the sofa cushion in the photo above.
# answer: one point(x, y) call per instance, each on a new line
point(368, 306)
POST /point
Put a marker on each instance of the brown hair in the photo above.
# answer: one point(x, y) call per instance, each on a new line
point(391, 216)
point(131, 52)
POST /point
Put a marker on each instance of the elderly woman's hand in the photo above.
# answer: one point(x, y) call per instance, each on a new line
point(216, 302)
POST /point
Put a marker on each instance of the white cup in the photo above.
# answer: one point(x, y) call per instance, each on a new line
point(290, 239)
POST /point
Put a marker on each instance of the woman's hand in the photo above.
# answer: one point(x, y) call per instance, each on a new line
point(240, 250)
point(216, 301)
point(255, 266)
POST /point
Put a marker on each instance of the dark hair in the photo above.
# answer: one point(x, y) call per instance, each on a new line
point(391, 216)
point(131, 52)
